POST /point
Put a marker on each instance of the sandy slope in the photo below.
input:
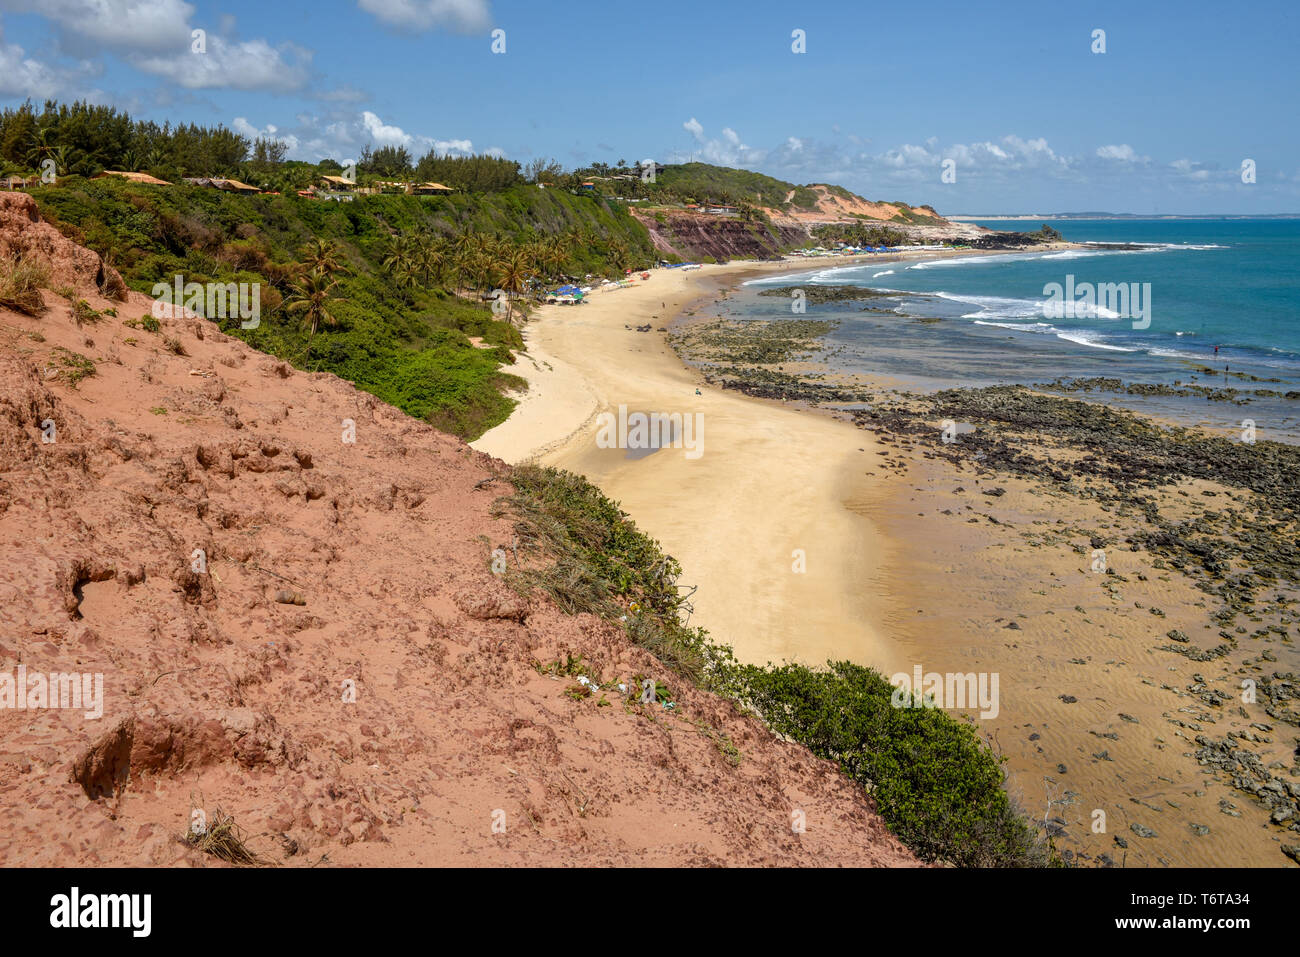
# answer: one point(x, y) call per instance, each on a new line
point(326, 562)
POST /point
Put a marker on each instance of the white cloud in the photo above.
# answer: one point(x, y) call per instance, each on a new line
point(908, 155)
point(270, 132)
point(342, 136)
point(242, 65)
point(144, 25)
point(730, 150)
point(1191, 169)
point(1122, 152)
point(456, 147)
point(1033, 152)
point(383, 134)
point(466, 16)
point(23, 77)
point(155, 36)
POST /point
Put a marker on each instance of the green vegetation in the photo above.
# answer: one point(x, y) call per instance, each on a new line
point(601, 564)
point(402, 288)
point(859, 234)
point(906, 214)
point(83, 312)
point(71, 366)
point(718, 184)
point(804, 198)
point(20, 285)
point(934, 783)
point(400, 330)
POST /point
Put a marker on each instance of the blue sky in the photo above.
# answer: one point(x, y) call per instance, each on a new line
point(1011, 92)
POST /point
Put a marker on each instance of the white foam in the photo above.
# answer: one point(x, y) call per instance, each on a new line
point(1085, 338)
point(996, 307)
point(1080, 337)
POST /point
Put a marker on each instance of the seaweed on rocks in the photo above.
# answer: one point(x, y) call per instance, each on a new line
point(822, 294)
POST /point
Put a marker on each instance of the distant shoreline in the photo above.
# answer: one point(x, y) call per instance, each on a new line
point(1095, 217)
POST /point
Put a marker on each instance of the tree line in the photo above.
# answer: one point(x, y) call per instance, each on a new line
point(84, 138)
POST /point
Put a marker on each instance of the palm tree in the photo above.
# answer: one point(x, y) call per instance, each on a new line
point(431, 259)
point(42, 145)
point(399, 261)
point(536, 253)
point(462, 268)
point(557, 255)
point(322, 256)
point(485, 265)
point(618, 254)
point(514, 270)
point(311, 295)
point(464, 249)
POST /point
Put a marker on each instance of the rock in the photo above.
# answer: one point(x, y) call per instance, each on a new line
point(1141, 830)
point(487, 605)
point(104, 767)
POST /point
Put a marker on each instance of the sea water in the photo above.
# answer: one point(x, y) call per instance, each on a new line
point(980, 320)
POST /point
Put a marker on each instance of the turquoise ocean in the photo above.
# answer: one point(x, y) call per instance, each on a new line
point(1230, 283)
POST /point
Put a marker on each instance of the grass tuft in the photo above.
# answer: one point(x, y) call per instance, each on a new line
point(224, 840)
point(21, 282)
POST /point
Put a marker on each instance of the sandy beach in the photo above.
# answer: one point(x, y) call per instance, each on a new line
point(775, 489)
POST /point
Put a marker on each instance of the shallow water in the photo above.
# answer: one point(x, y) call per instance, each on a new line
point(1234, 284)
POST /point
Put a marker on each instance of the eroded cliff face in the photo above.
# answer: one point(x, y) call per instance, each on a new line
point(285, 588)
point(698, 236)
point(703, 236)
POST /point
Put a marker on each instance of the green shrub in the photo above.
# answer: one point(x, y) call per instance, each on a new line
point(935, 784)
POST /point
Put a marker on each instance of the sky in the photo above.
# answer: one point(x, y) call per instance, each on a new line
point(974, 108)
